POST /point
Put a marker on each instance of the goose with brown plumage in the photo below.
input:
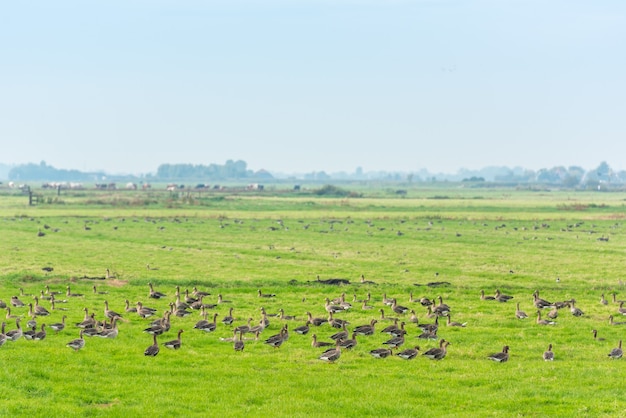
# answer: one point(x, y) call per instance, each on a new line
point(152, 350)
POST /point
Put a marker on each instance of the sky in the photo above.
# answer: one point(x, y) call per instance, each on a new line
point(297, 86)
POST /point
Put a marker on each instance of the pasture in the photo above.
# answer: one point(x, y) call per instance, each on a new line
point(460, 241)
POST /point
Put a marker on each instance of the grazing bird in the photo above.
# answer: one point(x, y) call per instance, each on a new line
point(437, 353)
point(548, 355)
point(399, 309)
point(332, 354)
point(16, 302)
point(77, 343)
point(144, 311)
point(175, 344)
point(238, 345)
point(409, 353)
point(366, 329)
point(58, 326)
point(363, 281)
point(284, 317)
point(17, 333)
point(68, 293)
point(595, 335)
point(152, 350)
point(304, 329)
point(617, 352)
point(41, 335)
point(278, 339)
point(228, 319)
point(611, 322)
point(341, 335)
point(621, 309)
point(316, 321)
point(540, 303)
point(520, 314)
point(154, 294)
point(221, 300)
point(349, 343)
point(206, 326)
point(381, 352)
point(500, 357)
point(315, 343)
point(543, 321)
point(266, 295)
point(451, 323)
point(574, 310)
point(110, 313)
point(395, 342)
point(500, 297)
point(603, 300)
point(112, 332)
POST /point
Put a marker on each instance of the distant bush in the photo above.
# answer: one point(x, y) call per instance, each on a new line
point(330, 190)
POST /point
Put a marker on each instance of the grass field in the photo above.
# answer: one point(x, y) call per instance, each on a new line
point(234, 245)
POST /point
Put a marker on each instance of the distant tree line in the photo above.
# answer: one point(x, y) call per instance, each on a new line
point(230, 170)
point(43, 171)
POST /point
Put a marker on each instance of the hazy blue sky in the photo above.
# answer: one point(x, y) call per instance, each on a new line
point(311, 85)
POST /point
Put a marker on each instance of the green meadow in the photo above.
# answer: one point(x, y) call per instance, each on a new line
point(433, 242)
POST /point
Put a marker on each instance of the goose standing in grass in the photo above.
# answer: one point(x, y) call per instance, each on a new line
point(553, 313)
point(228, 319)
point(413, 318)
point(144, 311)
point(221, 300)
point(621, 309)
point(266, 295)
point(278, 339)
point(175, 344)
point(520, 314)
point(390, 328)
point(394, 342)
point(152, 350)
point(154, 294)
point(30, 334)
point(238, 344)
point(548, 355)
point(348, 343)
point(197, 293)
point(595, 335)
point(16, 302)
point(442, 309)
point(439, 352)
point(205, 325)
point(3, 337)
point(3, 304)
point(315, 343)
point(128, 308)
point(540, 303)
point(332, 354)
point(399, 309)
point(500, 297)
point(284, 317)
point(304, 329)
point(58, 326)
point(110, 313)
point(500, 357)
point(112, 332)
point(316, 321)
point(484, 297)
point(574, 310)
point(617, 352)
point(409, 353)
point(16, 333)
point(386, 318)
point(451, 323)
point(39, 310)
point(98, 292)
point(244, 328)
point(41, 335)
point(381, 352)
point(77, 343)
point(68, 293)
point(341, 335)
point(603, 300)
point(424, 301)
point(366, 329)
point(543, 321)
point(611, 322)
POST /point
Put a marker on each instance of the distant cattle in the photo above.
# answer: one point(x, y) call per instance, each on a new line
point(256, 186)
point(131, 186)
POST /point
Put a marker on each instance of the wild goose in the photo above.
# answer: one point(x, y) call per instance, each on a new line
point(238, 344)
point(425, 302)
point(315, 343)
point(178, 303)
point(398, 332)
point(229, 339)
point(483, 297)
point(244, 328)
point(395, 342)
point(277, 340)
point(205, 325)
point(197, 293)
point(500, 357)
point(175, 344)
point(442, 309)
point(409, 353)
point(520, 314)
point(574, 310)
point(284, 317)
point(58, 326)
point(144, 311)
point(617, 352)
point(341, 335)
point(595, 335)
point(451, 323)
point(500, 297)
point(366, 307)
point(615, 298)
point(548, 355)
point(437, 353)
point(228, 319)
point(540, 303)
point(413, 318)
point(16, 302)
point(17, 333)
point(603, 300)
point(220, 300)
point(336, 322)
point(611, 322)
point(68, 293)
point(330, 308)
point(332, 354)
point(198, 304)
point(430, 327)
point(38, 309)
point(128, 308)
point(3, 337)
point(304, 329)
point(190, 299)
point(543, 321)
point(316, 321)
point(349, 343)
point(9, 315)
point(154, 294)
point(98, 292)
point(363, 281)
point(77, 343)
point(391, 327)
point(158, 329)
point(553, 313)
point(264, 318)
point(112, 332)
point(3, 304)
point(89, 321)
point(366, 329)
point(399, 309)
point(152, 350)
point(428, 335)
point(41, 335)
point(621, 309)
point(386, 318)
point(110, 313)
point(381, 352)
point(30, 334)
point(266, 295)
point(257, 329)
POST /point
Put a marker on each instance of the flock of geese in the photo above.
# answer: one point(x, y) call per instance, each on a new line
point(344, 339)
